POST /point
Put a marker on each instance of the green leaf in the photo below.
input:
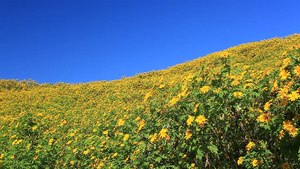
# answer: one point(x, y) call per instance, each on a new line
point(213, 148)
point(299, 154)
point(164, 156)
point(199, 154)
point(158, 159)
point(267, 126)
point(227, 127)
point(183, 117)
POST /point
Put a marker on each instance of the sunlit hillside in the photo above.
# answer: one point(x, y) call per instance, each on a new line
point(237, 108)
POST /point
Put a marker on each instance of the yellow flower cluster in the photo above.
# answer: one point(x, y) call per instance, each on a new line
point(201, 120)
point(264, 117)
point(250, 145)
point(16, 142)
point(205, 89)
point(238, 94)
point(188, 134)
point(290, 128)
point(190, 120)
point(164, 134)
point(141, 125)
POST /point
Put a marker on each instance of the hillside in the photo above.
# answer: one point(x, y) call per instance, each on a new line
point(236, 108)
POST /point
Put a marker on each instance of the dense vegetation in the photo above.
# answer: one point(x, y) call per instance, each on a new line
point(237, 108)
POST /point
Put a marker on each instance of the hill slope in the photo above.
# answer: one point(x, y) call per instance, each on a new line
point(238, 107)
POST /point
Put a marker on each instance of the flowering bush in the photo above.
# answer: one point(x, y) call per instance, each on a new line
point(215, 114)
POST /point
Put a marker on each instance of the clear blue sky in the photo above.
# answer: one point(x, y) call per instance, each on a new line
point(77, 41)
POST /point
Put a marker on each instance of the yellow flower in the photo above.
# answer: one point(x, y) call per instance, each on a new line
point(12, 157)
point(201, 120)
point(238, 94)
point(16, 142)
point(74, 150)
point(293, 132)
point(161, 86)
point(72, 162)
point(105, 132)
point(126, 137)
point(285, 166)
point(205, 89)
point(286, 61)
point(153, 137)
point(288, 126)
point(69, 142)
point(101, 164)
point(147, 96)
point(72, 134)
point(283, 54)
point(114, 155)
point(255, 163)
point(275, 87)
point(121, 122)
point(218, 90)
point(235, 83)
point(297, 70)
point(95, 130)
point(86, 151)
point(163, 133)
point(240, 161)
point(264, 89)
point(138, 118)
point(34, 127)
point(35, 157)
point(126, 159)
point(120, 133)
point(196, 108)
point(281, 134)
point(264, 117)
point(284, 74)
point(193, 165)
point(188, 134)
point(250, 145)
point(190, 120)
point(294, 96)
point(174, 100)
point(267, 105)
point(290, 84)
point(293, 47)
point(51, 141)
point(278, 63)
point(283, 92)
point(251, 85)
point(2, 156)
point(224, 55)
point(141, 125)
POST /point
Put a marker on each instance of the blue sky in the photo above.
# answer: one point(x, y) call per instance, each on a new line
point(76, 41)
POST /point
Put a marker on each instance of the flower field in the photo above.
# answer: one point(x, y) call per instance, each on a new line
point(237, 108)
